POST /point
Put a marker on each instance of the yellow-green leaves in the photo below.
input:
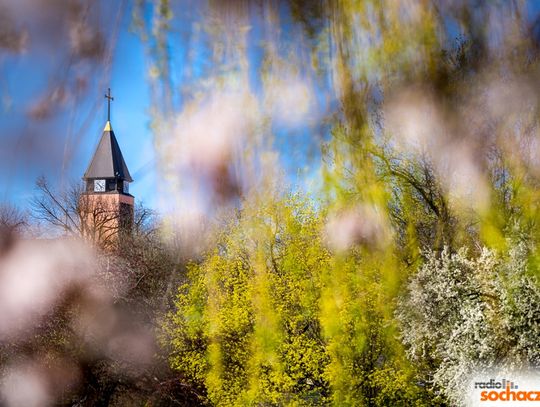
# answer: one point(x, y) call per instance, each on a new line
point(273, 317)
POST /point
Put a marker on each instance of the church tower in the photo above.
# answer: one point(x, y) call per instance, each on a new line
point(106, 206)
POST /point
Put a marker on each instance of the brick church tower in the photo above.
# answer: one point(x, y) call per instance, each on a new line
point(106, 206)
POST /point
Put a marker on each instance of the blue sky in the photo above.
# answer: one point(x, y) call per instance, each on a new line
point(61, 144)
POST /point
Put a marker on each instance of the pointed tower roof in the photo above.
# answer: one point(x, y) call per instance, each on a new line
point(108, 161)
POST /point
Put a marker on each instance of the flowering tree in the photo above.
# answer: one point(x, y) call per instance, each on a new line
point(462, 314)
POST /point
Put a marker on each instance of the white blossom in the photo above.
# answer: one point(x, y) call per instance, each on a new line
point(464, 314)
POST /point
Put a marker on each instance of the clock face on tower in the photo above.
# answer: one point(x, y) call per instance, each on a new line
point(99, 185)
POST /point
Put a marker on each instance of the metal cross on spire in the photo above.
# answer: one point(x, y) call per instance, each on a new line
point(109, 98)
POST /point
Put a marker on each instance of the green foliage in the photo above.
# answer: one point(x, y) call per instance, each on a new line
point(246, 326)
point(272, 317)
point(430, 147)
